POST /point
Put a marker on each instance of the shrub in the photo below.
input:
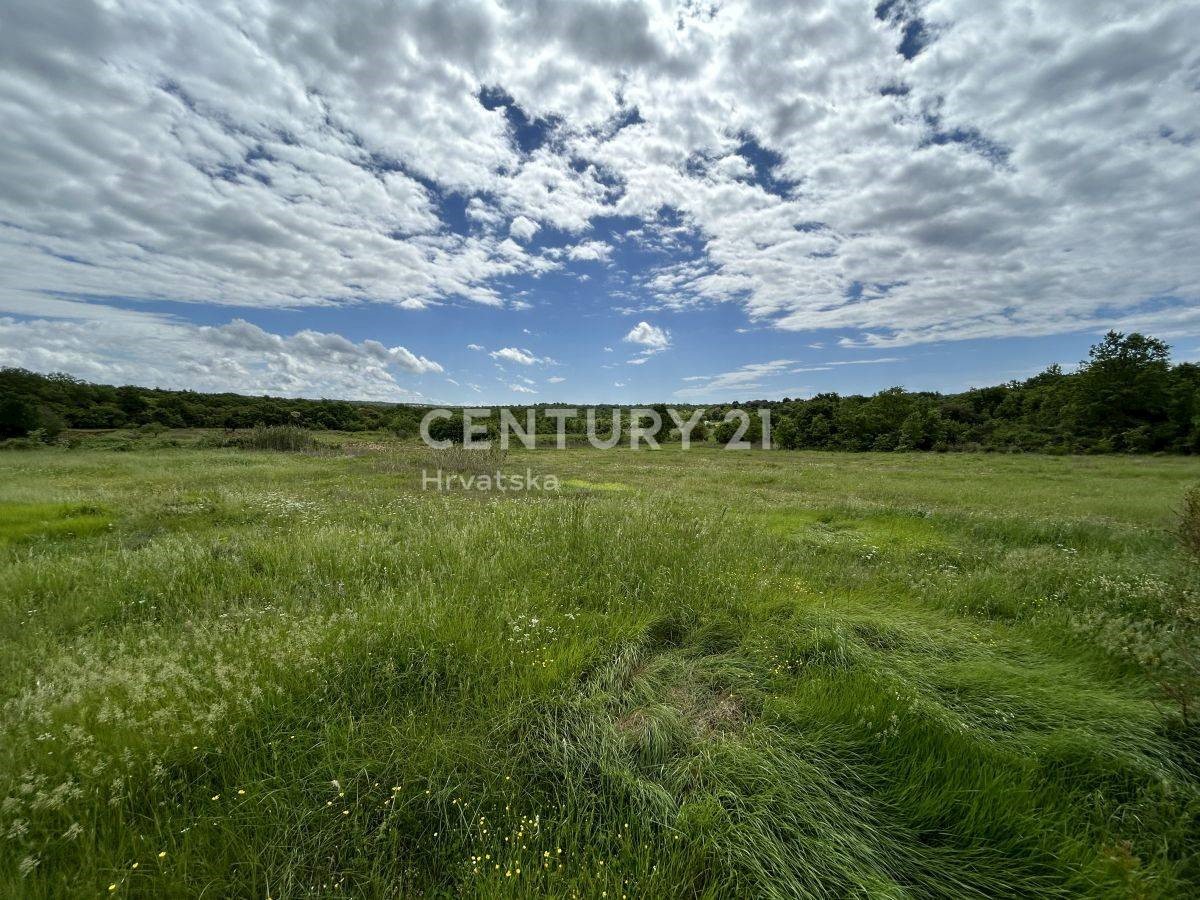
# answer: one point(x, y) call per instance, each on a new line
point(21, 443)
point(1153, 623)
point(1189, 521)
point(1167, 652)
point(278, 437)
point(51, 423)
point(453, 429)
point(18, 417)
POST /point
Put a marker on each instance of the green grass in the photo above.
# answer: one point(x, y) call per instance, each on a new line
point(709, 674)
point(32, 521)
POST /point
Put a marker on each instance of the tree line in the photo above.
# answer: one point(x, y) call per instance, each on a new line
point(1125, 397)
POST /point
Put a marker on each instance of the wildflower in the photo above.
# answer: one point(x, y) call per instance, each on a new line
point(162, 854)
point(112, 887)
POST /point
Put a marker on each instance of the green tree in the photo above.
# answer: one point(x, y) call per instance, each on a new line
point(132, 402)
point(18, 417)
point(1124, 385)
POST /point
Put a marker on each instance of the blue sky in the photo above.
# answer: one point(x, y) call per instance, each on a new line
point(596, 201)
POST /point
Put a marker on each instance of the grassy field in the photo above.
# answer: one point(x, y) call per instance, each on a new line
point(249, 674)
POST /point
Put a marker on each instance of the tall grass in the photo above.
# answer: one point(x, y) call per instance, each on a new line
point(277, 437)
point(459, 459)
point(298, 676)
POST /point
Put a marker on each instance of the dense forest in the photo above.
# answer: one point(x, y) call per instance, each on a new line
point(1126, 397)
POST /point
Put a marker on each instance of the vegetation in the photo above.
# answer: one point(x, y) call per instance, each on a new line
point(1125, 397)
point(700, 673)
point(1189, 522)
point(278, 437)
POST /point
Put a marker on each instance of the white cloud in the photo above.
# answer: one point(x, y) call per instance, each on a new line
point(851, 362)
point(475, 347)
point(523, 229)
point(157, 351)
point(516, 355)
point(555, 379)
point(521, 389)
point(1026, 173)
point(737, 382)
point(649, 336)
point(597, 251)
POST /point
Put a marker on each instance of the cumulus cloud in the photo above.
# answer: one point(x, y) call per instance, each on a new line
point(596, 251)
point(521, 389)
point(889, 173)
point(475, 347)
point(159, 351)
point(649, 336)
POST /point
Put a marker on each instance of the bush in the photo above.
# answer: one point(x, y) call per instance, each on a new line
point(453, 429)
point(21, 443)
point(18, 417)
point(1189, 522)
point(51, 423)
point(277, 437)
point(1167, 652)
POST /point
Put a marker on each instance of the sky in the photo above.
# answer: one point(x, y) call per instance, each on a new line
point(623, 201)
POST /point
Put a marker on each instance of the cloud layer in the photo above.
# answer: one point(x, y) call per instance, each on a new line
point(903, 173)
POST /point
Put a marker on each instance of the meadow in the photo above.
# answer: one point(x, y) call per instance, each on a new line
point(236, 673)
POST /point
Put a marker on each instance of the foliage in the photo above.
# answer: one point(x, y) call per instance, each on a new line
point(18, 417)
point(1125, 397)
